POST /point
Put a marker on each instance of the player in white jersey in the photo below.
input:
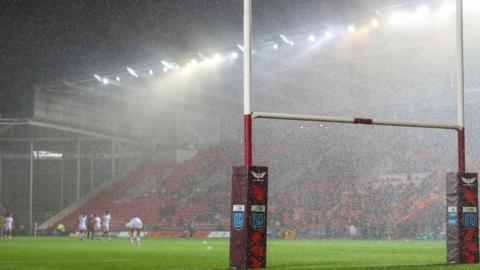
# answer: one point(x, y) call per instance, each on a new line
point(106, 224)
point(7, 227)
point(97, 227)
point(135, 226)
point(82, 225)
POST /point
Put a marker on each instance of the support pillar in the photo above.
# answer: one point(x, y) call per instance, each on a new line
point(248, 229)
point(113, 160)
point(78, 171)
point(1, 174)
point(462, 218)
point(30, 200)
point(92, 171)
point(62, 177)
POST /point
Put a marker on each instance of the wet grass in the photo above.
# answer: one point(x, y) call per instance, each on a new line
point(71, 253)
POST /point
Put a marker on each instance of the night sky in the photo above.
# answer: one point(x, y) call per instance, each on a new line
point(49, 41)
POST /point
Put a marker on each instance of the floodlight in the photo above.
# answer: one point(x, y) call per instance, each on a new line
point(351, 28)
point(132, 72)
point(240, 47)
point(328, 34)
point(168, 65)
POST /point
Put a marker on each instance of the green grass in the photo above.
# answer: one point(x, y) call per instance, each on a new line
point(71, 253)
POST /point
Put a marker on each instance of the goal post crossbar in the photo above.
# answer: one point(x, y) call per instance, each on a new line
point(351, 120)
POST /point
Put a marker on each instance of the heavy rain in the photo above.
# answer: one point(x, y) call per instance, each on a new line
point(136, 108)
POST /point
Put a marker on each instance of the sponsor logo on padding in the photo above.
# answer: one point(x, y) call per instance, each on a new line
point(452, 219)
point(469, 181)
point(469, 217)
point(258, 176)
point(238, 216)
point(257, 220)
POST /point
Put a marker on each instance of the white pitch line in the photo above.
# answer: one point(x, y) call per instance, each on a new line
point(63, 261)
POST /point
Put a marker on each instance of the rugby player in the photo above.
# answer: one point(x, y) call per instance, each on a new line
point(97, 226)
point(106, 224)
point(135, 226)
point(82, 225)
point(7, 227)
point(90, 225)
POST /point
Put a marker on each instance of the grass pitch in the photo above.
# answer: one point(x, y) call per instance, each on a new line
point(71, 253)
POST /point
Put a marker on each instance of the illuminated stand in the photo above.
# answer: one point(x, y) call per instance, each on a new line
point(462, 188)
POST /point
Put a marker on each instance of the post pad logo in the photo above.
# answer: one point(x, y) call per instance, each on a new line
point(238, 216)
point(452, 209)
point(452, 217)
point(258, 176)
point(257, 217)
point(452, 220)
point(468, 181)
point(469, 217)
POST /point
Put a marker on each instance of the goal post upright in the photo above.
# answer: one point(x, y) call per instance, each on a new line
point(461, 187)
point(247, 80)
point(248, 222)
point(460, 87)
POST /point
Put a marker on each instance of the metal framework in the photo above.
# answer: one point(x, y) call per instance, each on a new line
point(80, 135)
point(32, 122)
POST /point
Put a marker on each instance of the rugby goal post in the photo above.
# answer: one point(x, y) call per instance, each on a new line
point(248, 243)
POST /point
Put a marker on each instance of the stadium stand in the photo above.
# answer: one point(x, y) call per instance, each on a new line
point(170, 196)
point(106, 198)
point(168, 203)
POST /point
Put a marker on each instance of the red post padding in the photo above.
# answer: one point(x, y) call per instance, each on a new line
point(461, 150)
point(462, 218)
point(248, 228)
point(364, 121)
point(247, 123)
